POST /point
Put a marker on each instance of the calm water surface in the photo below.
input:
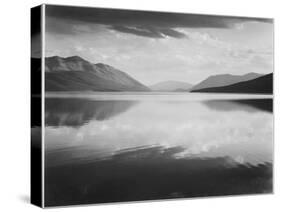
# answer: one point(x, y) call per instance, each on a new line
point(127, 147)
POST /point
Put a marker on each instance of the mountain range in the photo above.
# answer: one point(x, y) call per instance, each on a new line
point(224, 80)
point(77, 74)
point(263, 84)
point(171, 86)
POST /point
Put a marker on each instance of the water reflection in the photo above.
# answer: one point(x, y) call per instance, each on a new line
point(249, 105)
point(153, 173)
point(154, 149)
point(76, 112)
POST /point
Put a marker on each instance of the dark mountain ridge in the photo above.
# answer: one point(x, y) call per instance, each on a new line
point(224, 80)
point(77, 74)
point(263, 84)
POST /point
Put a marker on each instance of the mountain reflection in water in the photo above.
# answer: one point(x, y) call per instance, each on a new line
point(249, 105)
point(101, 151)
point(77, 112)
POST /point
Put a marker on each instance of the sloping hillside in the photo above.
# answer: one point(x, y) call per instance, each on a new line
point(76, 74)
point(262, 84)
point(224, 79)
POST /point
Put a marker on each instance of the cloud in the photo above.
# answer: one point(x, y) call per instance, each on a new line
point(149, 32)
point(207, 38)
point(257, 58)
point(59, 26)
point(141, 23)
point(262, 62)
point(172, 33)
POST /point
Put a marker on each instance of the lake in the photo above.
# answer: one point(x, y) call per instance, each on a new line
point(111, 147)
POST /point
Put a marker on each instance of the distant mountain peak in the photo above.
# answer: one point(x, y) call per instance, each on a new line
point(73, 63)
point(253, 74)
point(171, 85)
point(75, 58)
point(70, 58)
point(224, 80)
point(54, 57)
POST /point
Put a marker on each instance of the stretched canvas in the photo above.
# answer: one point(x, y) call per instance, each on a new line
point(131, 105)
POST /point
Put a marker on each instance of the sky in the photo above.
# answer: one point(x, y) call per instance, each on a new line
point(153, 47)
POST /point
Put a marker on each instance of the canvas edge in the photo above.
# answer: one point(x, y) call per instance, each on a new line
point(36, 112)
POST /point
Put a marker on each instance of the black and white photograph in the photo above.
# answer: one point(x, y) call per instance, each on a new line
point(144, 105)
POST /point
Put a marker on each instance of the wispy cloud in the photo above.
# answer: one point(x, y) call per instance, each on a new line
point(150, 31)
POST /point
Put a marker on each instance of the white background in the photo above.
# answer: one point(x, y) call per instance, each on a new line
point(15, 115)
